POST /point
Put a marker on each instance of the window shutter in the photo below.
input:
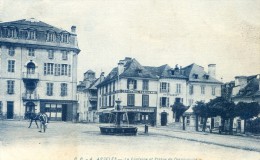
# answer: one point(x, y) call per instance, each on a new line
point(160, 86)
point(167, 102)
point(135, 84)
point(161, 101)
point(128, 84)
point(168, 85)
point(45, 68)
point(56, 69)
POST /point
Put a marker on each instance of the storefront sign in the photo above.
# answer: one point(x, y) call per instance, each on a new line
point(150, 110)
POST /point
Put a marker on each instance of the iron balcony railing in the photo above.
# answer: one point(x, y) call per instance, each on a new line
point(30, 96)
point(28, 75)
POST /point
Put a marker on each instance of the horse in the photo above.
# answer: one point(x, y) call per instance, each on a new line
point(32, 117)
point(43, 118)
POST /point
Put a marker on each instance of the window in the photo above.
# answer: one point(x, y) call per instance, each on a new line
point(131, 84)
point(164, 87)
point(109, 100)
point(145, 85)
point(178, 88)
point(69, 70)
point(11, 51)
point(11, 65)
point(10, 87)
point(64, 88)
point(31, 35)
point(12, 33)
point(213, 91)
point(48, 68)
point(188, 120)
point(114, 86)
point(57, 69)
point(191, 89)
point(195, 76)
point(31, 52)
point(130, 99)
point(113, 100)
point(145, 100)
point(49, 89)
point(164, 101)
point(64, 55)
point(51, 37)
point(50, 54)
point(64, 69)
point(65, 38)
point(178, 100)
point(202, 89)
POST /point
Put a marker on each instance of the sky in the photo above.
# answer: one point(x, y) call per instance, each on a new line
point(154, 32)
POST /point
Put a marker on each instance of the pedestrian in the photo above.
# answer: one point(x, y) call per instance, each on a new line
point(43, 121)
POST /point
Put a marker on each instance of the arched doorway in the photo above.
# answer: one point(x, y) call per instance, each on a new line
point(163, 119)
point(30, 68)
point(30, 107)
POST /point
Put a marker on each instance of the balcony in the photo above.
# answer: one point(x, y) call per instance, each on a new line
point(32, 76)
point(93, 98)
point(30, 96)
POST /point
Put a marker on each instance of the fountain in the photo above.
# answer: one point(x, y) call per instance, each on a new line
point(117, 128)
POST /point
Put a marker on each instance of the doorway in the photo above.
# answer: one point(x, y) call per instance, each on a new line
point(10, 110)
point(64, 112)
point(163, 119)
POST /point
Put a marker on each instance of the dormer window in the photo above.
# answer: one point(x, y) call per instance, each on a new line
point(65, 38)
point(12, 33)
point(131, 84)
point(206, 76)
point(138, 70)
point(195, 76)
point(31, 35)
point(51, 37)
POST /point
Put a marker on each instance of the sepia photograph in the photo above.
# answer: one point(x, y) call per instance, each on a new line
point(129, 80)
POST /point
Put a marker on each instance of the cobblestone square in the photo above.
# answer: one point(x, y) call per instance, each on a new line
point(83, 141)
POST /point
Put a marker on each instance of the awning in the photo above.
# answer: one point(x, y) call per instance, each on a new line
point(106, 110)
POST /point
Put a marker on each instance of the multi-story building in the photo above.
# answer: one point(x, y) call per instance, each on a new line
point(38, 69)
point(147, 93)
point(87, 97)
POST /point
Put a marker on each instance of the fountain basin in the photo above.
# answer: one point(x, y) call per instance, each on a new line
point(122, 130)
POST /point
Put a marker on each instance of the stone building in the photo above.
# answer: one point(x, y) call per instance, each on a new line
point(87, 97)
point(38, 69)
point(147, 93)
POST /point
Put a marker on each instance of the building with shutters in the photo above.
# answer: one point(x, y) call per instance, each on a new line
point(87, 97)
point(147, 93)
point(38, 69)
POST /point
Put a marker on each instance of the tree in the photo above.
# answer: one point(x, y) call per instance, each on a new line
point(224, 108)
point(178, 109)
point(199, 110)
point(247, 110)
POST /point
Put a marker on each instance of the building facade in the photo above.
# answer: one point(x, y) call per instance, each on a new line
point(38, 69)
point(87, 97)
point(148, 93)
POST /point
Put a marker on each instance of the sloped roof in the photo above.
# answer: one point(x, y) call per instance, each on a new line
point(251, 89)
point(33, 24)
point(94, 84)
point(193, 69)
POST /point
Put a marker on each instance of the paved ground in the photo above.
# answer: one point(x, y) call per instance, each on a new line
point(75, 141)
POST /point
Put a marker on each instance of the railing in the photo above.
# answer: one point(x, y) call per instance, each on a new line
point(33, 96)
point(93, 98)
point(27, 75)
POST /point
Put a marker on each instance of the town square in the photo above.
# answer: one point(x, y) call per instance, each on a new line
point(129, 80)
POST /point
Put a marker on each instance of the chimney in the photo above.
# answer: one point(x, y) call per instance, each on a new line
point(102, 77)
point(212, 70)
point(120, 67)
point(73, 29)
point(258, 78)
